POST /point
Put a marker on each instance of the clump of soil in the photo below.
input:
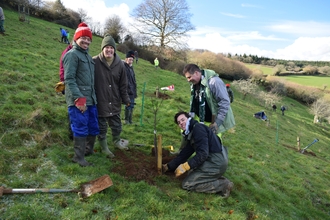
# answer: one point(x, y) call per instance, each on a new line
point(136, 165)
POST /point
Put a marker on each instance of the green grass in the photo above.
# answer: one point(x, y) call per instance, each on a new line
point(316, 81)
point(265, 69)
point(272, 179)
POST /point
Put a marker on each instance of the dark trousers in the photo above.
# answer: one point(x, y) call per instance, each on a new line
point(208, 177)
point(114, 122)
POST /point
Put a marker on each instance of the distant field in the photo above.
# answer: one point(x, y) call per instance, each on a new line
point(316, 81)
point(265, 69)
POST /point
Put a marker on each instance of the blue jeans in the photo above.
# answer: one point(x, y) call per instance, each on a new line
point(84, 124)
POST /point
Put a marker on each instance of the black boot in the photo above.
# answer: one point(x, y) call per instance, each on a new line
point(126, 116)
point(79, 151)
point(130, 115)
point(90, 141)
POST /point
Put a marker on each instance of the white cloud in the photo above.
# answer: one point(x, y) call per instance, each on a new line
point(98, 11)
point(310, 42)
point(233, 15)
point(300, 28)
point(250, 6)
point(253, 35)
point(304, 48)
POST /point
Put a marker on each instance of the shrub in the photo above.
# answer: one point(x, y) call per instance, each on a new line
point(176, 66)
point(304, 94)
point(225, 67)
point(310, 70)
point(278, 69)
point(325, 70)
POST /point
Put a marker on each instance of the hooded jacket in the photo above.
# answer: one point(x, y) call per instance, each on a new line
point(131, 86)
point(110, 85)
point(79, 76)
point(217, 99)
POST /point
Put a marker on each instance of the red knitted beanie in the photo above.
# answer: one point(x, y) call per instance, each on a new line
point(82, 31)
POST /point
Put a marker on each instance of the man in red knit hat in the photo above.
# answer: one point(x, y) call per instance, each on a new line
point(80, 94)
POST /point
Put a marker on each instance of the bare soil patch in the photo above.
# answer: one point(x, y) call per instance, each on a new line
point(136, 165)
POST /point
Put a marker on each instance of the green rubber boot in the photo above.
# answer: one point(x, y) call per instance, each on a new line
point(105, 149)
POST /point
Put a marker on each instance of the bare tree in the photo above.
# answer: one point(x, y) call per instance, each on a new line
point(321, 109)
point(96, 28)
point(83, 16)
point(114, 27)
point(268, 99)
point(36, 3)
point(165, 22)
point(245, 86)
point(58, 7)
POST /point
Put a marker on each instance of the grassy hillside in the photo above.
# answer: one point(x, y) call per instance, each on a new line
point(273, 180)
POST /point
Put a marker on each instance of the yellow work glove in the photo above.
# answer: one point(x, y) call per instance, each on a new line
point(182, 169)
point(59, 87)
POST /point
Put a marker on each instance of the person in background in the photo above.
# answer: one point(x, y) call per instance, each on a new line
point(111, 92)
point(64, 35)
point(283, 109)
point(156, 62)
point(131, 88)
point(136, 55)
point(230, 93)
point(209, 163)
point(68, 35)
point(2, 22)
point(80, 94)
point(209, 99)
point(61, 73)
point(274, 107)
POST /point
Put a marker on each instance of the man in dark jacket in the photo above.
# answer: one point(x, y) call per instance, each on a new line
point(80, 94)
point(209, 163)
point(111, 92)
point(131, 88)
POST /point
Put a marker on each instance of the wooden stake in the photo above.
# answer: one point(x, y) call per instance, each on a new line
point(298, 143)
point(157, 92)
point(159, 154)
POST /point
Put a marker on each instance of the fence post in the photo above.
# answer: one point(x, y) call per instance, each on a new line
point(142, 105)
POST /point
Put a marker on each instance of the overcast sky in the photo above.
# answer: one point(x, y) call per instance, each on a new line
point(281, 29)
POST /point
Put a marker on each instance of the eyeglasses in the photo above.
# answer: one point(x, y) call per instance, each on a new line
point(86, 39)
